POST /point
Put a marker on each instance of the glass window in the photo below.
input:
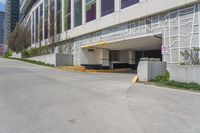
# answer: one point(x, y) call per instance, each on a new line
point(52, 18)
point(67, 14)
point(90, 10)
point(41, 22)
point(36, 24)
point(59, 17)
point(107, 7)
point(46, 15)
point(33, 28)
point(77, 12)
point(127, 3)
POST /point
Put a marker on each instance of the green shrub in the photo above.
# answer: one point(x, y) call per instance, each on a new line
point(32, 61)
point(163, 77)
point(163, 80)
point(8, 54)
point(37, 51)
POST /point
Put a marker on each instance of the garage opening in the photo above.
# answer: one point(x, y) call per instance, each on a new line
point(124, 53)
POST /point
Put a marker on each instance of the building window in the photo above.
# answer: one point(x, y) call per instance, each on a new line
point(52, 18)
point(77, 12)
point(107, 7)
point(41, 22)
point(90, 10)
point(33, 28)
point(127, 3)
point(59, 17)
point(46, 16)
point(37, 25)
point(67, 14)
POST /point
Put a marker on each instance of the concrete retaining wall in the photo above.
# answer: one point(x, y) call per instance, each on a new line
point(148, 70)
point(55, 59)
point(15, 55)
point(184, 73)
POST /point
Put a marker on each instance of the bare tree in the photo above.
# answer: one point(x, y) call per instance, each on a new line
point(20, 39)
point(191, 56)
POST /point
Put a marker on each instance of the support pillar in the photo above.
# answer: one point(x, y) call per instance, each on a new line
point(83, 12)
point(132, 60)
point(98, 9)
point(104, 59)
point(117, 5)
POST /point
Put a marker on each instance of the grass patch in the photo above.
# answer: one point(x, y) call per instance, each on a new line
point(163, 80)
point(30, 61)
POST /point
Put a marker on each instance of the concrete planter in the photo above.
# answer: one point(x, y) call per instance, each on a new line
point(148, 70)
point(184, 73)
point(55, 59)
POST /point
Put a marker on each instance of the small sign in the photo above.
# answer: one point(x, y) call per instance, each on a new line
point(165, 49)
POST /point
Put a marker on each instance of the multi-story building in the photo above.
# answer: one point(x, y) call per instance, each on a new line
point(11, 17)
point(2, 15)
point(116, 33)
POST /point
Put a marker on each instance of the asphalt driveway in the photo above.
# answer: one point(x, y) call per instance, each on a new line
point(35, 99)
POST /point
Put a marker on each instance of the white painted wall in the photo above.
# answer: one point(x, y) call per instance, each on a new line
point(184, 73)
point(97, 57)
point(91, 58)
point(55, 59)
point(48, 59)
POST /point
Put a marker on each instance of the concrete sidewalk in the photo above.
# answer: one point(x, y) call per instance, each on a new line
point(164, 110)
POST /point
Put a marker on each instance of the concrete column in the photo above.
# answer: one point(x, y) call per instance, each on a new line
point(98, 9)
point(83, 12)
point(117, 5)
point(72, 14)
point(104, 59)
point(132, 60)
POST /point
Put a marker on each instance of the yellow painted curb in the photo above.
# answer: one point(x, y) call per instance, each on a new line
point(135, 79)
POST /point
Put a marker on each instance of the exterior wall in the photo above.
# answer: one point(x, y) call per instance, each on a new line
point(184, 73)
point(179, 29)
point(24, 7)
point(55, 59)
point(48, 59)
point(2, 15)
point(177, 21)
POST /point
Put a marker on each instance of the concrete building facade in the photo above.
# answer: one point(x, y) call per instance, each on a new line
point(102, 34)
point(2, 15)
point(11, 17)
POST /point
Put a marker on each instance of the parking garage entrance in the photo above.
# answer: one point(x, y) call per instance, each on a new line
point(119, 54)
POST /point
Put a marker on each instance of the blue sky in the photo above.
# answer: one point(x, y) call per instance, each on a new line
point(2, 5)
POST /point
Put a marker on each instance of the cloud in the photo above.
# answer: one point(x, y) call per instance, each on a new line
point(3, 1)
